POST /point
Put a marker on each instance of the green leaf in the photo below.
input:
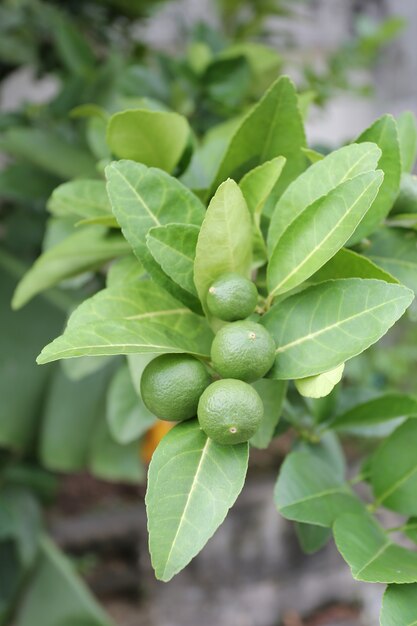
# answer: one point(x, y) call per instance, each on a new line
point(308, 491)
point(384, 133)
point(318, 181)
point(327, 324)
point(192, 483)
point(69, 600)
point(395, 483)
point(384, 408)
point(313, 156)
point(21, 520)
point(319, 232)
point(133, 318)
point(399, 606)
point(174, 246)
point(370, 554)
point(395, 250)
point(349, 264)
point(312, 538)
point(85, 198)
point(143, 198)
point(320, 385)
point(125, 270)
point(71, 46)
point(328, 450)
point(225, 240)
point(154, 138)
point(273, 394)
point(258, 183)
point(127, 416)
point(272, 128)
point(407, 137)
point(87, 249)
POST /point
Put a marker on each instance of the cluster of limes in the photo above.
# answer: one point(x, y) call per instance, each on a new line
point(177, 387)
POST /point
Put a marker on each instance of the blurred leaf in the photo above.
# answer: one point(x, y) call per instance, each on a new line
point(407, 136)
point(85, 198)
point(395, 250)
point(399, 606)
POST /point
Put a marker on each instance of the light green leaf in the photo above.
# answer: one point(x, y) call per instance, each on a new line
point(349, 264)
point(154, 138)
point(370, 554)
point(399, 606)
point(384, 408)
point(320, 385)
point(394, 470)
point(86, 249)
point(85, 198)
point(384, 133)
point(312, 538)
point(124, 270)
point(258, 183)
point(273, 394)
point(395, 250)
point(407, 136)
point(192, 483)
point(327, 324)
point(313, 156)
point(319, 232)
point(133, 318)
point(127, 416)
point(225, 239)
point(143, 198)
point(174, 246)
point(272, 128)
point(308, 491)
point(319, 180)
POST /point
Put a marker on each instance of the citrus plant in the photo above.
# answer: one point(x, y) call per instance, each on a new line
point(313, 237)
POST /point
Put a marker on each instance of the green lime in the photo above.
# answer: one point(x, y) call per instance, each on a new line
point(243, 350)
point(172, 384)
point(230, 411)
point(406, 201)
point(232, 297)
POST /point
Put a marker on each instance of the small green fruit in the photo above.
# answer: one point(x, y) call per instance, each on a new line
point(230, 411)
point(172, 384)
point(243, 350)
point(232, 297)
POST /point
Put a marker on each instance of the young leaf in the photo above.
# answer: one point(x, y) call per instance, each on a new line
point(192, 483)
point(127, 416)
point(327, 324)
point(308, 491)
point(174, 246)
point(407, 137)
point(85, 198)
point(87, 249)
point(395, 250)
point(133, 318)
point(370, 554)
point(395, 483)
point(272, 128)
point(382, 409)
point(258, 183)
point(320, 385)
point(154, 138)
point(384, 133)
point(349, 264)
point(399, 606)
point(317, 181)
point(319, 232)
point(225, 239)
point(273, 394)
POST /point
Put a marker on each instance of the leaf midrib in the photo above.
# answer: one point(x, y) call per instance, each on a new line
point(139, 197)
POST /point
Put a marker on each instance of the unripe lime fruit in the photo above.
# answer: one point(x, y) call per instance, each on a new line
point(243, 350)
point(232, 297)
point(230, 411)
point(172, 384)
point(406, 201)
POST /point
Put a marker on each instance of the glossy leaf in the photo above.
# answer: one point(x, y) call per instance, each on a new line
point(272, 128)
point(399, 606)
point(86, 249)
point(327, 324)
point(85, 198)
point(319, 180)
point(319, 232)
point(308, 491)
point(273, 394)
point(369, 552)
point(384, 408)
point(174, 247)
point(192, 483)
point(395, 250)
point(154, 138)
point(395, 483)
point(349, 264)
point(320, 385)
point(225, 239)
